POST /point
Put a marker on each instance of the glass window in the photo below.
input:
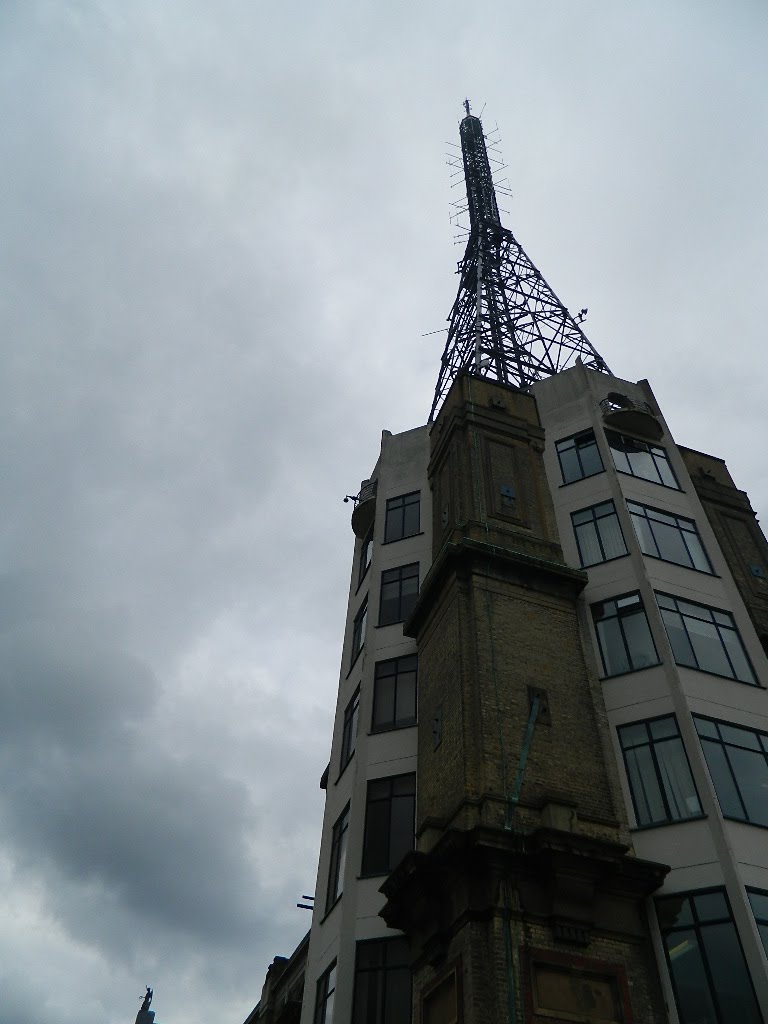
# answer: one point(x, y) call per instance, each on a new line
point(358, 629)
point(394, 694)
point(598, 534)
point(758, 900)
point(366, 553)
point(709, 974)
point(737, 759)
point(658, 772)
point(390, 811)
point(705, 638)
point(382, 982)
point(579, 456)
point(338, 859)
point(640, 458)
point(623, 636)
point(671, 538)
point(399, 592)
point(349, 735)
point(326, 993)
point(402, 517)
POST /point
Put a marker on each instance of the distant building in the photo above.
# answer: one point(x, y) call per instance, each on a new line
point(548, 788)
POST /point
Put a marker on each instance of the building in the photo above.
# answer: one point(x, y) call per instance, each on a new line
point(548, 783)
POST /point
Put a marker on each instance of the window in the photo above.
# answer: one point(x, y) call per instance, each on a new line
point(579, 456)
point(399, 591)
point(326, 993)
point(658, 772)
point(402, 517)
point(358, 630)
point(394, 694)
point(382, 982)
point(737, 759)
point(759, 902)
point(623, 636)
point(598, 534)
point(441, 1004)
point(366, 553)
point(640, 458)
point(705, 638)
point(349, 735)
point(671, 538)
point(390, 811)
point(709, 974)
point(338, 859)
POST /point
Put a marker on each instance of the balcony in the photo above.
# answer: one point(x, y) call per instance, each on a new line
point(365, 508)
point(631, 417)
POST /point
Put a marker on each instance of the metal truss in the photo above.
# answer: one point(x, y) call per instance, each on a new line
point(506, 322)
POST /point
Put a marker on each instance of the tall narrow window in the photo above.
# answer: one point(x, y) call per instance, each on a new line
point(671, 538)
point(402, 517)
point(394, 694)
point(579, 456)
point(640, 458)
point(705, 638)
point(399, 593)
point(326, 994)
point(709, 974)
point(358, 629)
point(338, 859)
point(623, 635)
point(659, 775)
point(366, 552)
point(390, 812)
point(758, 900)
point(598, 534)
point(737, 759)
point(382, 982)
point(349, 734)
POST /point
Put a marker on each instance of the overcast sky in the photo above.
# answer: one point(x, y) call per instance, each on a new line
point(223, 234)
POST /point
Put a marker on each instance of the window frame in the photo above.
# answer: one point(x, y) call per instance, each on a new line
point(320, 1015)
point(760, 920)
point(365, 556)
point(620, 614)
point(391, 514)
point(349, 731)
point(718, 626)
point(359, 629)
point(402, 574)
point(391, 948)
point(707, 741)
point(378, 674)
point(595, 520)
point(652, 743)
point(339, 846)
point(692, 529)
point(373, 863)
point(697, 926)
point(560, 446)
point(652, 450)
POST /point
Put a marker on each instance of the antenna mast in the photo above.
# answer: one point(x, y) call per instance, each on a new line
point(506, 322)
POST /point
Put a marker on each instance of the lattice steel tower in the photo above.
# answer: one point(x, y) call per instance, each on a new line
point(506, 322)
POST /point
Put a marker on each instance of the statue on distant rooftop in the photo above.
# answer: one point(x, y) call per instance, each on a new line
point(147, 999)
point(145, 1015)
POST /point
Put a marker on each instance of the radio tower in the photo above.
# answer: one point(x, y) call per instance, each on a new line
point(506, 322)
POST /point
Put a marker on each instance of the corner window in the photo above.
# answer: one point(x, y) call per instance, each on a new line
point(579, 456)
point(658, 772)
point(390, 813)
point(598, 534)
point(623, 635)
point(349, 735)
point(394, 694)
point(358, 630)
point(382, 982)
point(758, 900)
point(399, 593)
point(737, 759)
point(402, 517)
point(709, 974)
point(366, 553)
point(641, 459)
point(670, 538)
point(338, 859)
point(705, 638)
point(326, 994)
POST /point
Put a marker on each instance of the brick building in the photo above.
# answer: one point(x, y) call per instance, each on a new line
point(548, 784)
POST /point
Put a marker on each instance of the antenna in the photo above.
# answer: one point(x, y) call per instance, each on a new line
point(506, 322)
